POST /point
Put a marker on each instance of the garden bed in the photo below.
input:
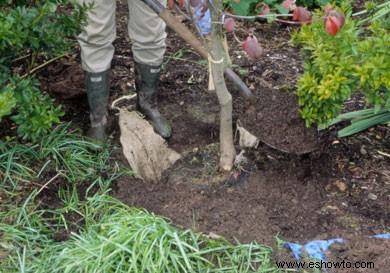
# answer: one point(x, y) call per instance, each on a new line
point(323, 187)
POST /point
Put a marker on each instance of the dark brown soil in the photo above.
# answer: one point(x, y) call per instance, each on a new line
point(361, 252)
point(313, 186)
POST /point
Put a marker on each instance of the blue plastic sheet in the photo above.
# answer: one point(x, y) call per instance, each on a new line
point(203, 20)
point(316, 249)
point(382, 236)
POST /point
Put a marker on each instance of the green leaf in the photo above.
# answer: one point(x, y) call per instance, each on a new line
point(51, 6)
point(7, 102)
point(355, 114)
point(365, 124)
point(243, 7)
point(387, 105)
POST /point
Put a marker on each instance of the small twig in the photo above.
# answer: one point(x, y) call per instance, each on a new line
point(178, 9)
point(35, 69)
point(257, 16)
point(292, 22)
point(21, 57)
point(31, 62)
point(48, 182)
point(211, 7)
point(236, 37)
point(29, 182)
point(275, 16)
point(278, 45)
point(173, 57)
point(383, 153)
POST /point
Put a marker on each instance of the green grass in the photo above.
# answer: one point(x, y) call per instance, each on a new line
point(63, 152)
point(117, 238)
point(105, 235)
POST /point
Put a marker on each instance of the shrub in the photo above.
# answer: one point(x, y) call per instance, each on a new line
point(32, 30)
point(355, 60)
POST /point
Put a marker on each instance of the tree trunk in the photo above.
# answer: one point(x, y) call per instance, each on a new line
point(228, 151)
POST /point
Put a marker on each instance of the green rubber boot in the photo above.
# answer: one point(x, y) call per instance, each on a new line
point(98, 89)
point(147, 79)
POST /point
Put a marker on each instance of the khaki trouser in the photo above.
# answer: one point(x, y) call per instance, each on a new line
point(146, 31)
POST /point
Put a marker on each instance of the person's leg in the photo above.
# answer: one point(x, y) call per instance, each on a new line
point(147, 33)
point(96, 44)
point(97, 36)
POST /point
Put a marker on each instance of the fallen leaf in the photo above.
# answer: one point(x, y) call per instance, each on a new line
point(213, 236)
point(341, 185)
point(252, 47)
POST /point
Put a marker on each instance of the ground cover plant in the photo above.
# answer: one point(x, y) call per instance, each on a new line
point(62, 153)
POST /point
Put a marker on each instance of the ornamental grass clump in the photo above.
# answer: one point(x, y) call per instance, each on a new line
point(117, 238)
point(64, 152)
point(124, 239)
